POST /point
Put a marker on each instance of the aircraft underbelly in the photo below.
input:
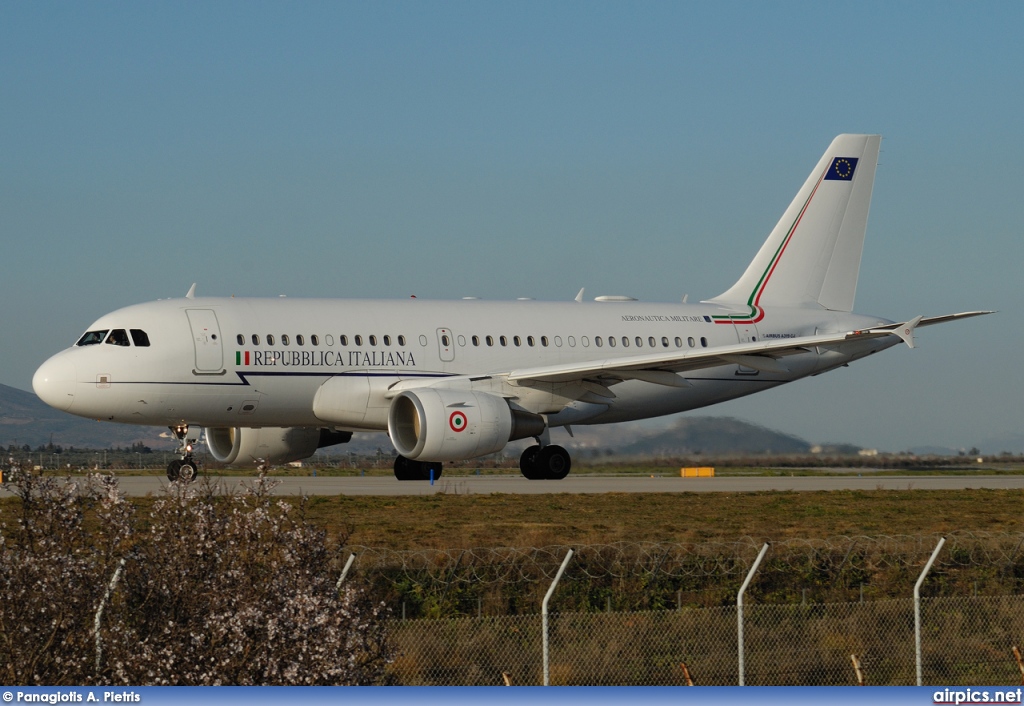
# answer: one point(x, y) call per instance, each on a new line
point(638, 400)
point(279, 403)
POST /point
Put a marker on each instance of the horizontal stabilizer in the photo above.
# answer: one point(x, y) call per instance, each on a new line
point(906, 330)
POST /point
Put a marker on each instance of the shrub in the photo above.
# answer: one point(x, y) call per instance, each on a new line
point(213, 590)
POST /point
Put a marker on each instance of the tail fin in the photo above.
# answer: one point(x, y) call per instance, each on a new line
point(812, 257)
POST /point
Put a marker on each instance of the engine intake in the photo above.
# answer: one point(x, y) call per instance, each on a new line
point(451, 425)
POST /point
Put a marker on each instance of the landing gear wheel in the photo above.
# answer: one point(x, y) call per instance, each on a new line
point(184, 468)
point(407, 469)
point(427, 466)
point(554, 462)
point(528, 464)
point(403, 470)
point(174, 469)
point(187, 473)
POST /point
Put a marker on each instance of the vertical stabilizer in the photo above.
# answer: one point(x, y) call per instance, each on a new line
point(812, 257)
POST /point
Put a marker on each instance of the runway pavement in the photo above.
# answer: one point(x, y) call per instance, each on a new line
point(484, 485)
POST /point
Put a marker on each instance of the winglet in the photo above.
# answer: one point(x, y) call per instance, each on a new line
point(191, 292)
point(579, 297)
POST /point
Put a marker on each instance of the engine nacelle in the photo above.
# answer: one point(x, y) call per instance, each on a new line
point(244, 446)
point(432, 424)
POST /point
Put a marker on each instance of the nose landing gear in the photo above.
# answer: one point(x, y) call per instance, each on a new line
point(183, 469)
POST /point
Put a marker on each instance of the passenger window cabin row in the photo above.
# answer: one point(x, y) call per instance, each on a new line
point(314, 340)
point(139, 338)
point(517, 341)
point(638, 341)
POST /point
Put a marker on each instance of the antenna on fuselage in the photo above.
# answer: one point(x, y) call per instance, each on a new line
point(191, 292)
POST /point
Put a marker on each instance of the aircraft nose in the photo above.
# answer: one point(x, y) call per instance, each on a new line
point(54, 382)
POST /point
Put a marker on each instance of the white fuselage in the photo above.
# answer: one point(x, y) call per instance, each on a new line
point(223, 362)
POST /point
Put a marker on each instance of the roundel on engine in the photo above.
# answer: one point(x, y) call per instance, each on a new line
point(448, 425)
point(457, 421)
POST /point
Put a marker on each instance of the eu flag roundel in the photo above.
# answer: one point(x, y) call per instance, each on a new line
point(842, 169)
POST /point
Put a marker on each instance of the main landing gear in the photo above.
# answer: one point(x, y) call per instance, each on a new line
point(183, 469)
point(545, 463)
point(537, 463)
point(407, 469)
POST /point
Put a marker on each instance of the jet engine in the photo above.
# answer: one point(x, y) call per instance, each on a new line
point(449, 425)
point(244, 446)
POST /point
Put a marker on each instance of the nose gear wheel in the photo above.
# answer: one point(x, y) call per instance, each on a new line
point(182, 469)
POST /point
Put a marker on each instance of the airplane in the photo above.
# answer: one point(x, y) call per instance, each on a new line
point(272, 380)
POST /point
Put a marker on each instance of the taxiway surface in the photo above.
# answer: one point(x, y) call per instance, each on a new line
point(485, 485)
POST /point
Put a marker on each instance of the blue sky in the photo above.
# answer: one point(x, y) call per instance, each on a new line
point(502, 150)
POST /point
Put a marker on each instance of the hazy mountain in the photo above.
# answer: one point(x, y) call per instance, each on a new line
point(715, 436)
point(1012, 443)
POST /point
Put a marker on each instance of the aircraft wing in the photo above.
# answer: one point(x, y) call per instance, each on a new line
point(767, 356)
point(950, 317)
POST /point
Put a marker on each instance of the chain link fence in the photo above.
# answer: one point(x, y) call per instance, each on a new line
point(656, 614)
point(639, 576)
point(966, 641)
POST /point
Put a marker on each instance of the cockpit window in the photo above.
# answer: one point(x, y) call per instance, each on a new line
point(139, 338)
point(118, 337)
point(92, 338)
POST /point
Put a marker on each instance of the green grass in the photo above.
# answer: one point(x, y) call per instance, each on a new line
point(454, 520)
point(450, 521)
point(464, 521)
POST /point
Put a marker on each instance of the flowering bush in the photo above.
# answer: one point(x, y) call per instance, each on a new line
point(212, 590)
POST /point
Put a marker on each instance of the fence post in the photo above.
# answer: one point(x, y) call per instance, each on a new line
point(917, 607)
point(99, 612)
point(739, 606)
point(857, 670)
point(1020, 663)
point(344, 572)
point(544, 616)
